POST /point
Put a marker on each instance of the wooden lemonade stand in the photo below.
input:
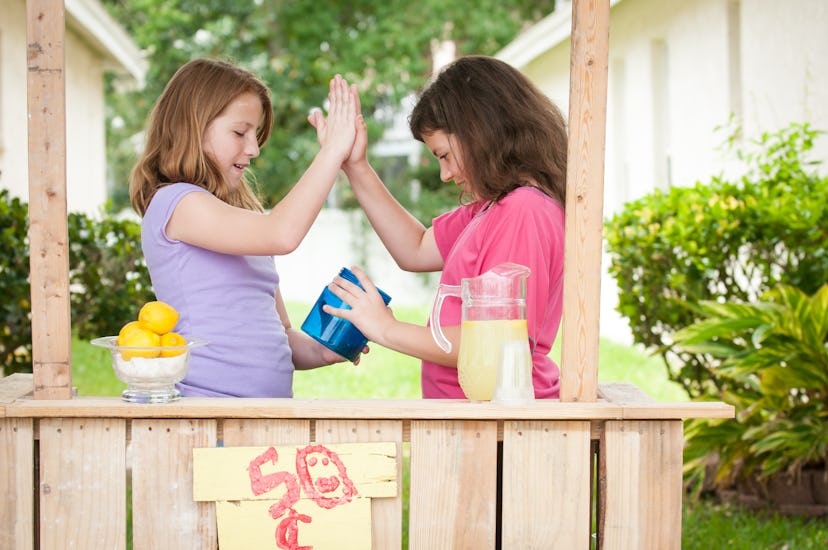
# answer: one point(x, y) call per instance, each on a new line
point(601, 467)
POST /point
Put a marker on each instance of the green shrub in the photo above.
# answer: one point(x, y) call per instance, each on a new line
point(724, 240)
point(773, 353)
point(108, 279)
point(15, 306)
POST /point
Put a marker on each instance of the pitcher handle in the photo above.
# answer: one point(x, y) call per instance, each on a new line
point(434, 320)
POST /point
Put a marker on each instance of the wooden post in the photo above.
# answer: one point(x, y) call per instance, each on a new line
point(48, 232)
point(584, 199)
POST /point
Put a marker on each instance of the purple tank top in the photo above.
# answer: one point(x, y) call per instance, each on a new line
point(228, 300)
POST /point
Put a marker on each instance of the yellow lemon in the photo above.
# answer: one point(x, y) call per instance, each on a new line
point(127, 328)
point(158, 317)
point(140, 338)
point(172, 339)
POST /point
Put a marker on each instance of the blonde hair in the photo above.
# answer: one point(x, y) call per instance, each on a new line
point(196, 94)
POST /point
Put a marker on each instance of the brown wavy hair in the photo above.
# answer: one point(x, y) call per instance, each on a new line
point(173, 152)
point(510, 134)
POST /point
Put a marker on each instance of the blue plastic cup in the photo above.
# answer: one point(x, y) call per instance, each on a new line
point(336, 333)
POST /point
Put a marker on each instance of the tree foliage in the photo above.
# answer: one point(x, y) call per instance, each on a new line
point(296, 47)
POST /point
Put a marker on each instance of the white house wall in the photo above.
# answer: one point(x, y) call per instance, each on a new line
point(85, 123)
point(13, 131)
point(785, 65)
point(86, 62)
point(679, 68)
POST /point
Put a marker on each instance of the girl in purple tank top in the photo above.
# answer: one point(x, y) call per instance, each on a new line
point(209, 243)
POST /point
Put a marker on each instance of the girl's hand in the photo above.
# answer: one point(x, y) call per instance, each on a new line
point(360, 148)
point(368, 311)
point(336, 132)
point(330, 357)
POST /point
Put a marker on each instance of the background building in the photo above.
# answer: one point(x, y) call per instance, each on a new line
point(94, 45)
point(678, 71)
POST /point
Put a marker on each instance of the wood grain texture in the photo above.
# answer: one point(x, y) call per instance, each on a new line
point(16, 482)
point(15, 386)
point(584, 199)
point(452, 503)
point(48, 229)
point(82, 488)
point(546, 485)
point(237, 432)
point(388, 409)
point(643, 472)
point(163, 510)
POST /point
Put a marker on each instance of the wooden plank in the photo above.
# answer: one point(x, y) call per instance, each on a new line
point(453, 485)
point(237, 432)
point(82, 486)
point(163, 510)
point(623, 393)
point(48, 229)
point(225, 473)
point(15, 386)
point(16, 483)
point(547, 467)
point(386, 409)
point(386, 513)
point(643, 485)
point(584, 199)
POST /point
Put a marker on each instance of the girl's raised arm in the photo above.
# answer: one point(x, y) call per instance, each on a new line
point(203, 220)
point(411, 244)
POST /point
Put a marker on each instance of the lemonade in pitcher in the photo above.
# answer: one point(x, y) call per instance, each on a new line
point(480, 349)
point(493, 314)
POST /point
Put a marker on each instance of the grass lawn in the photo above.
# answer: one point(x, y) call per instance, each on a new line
point(386, 374)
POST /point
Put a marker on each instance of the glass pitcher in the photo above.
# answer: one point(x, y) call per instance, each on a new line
point(493, 314)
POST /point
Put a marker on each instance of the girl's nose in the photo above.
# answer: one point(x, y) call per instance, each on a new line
point(445, 174)
point(252, 148)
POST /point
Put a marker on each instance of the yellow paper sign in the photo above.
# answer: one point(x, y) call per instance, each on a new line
point(295, 497)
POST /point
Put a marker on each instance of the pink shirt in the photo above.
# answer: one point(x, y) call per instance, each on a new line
point(526, 227)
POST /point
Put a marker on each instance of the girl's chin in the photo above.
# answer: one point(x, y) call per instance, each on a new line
point(234, 179)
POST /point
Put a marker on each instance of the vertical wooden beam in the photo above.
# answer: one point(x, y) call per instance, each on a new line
point(48, 230)
point(644, 488)
point(16, 481)
point(584, 199)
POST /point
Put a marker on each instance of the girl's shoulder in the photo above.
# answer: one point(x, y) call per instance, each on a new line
point(180, 188)
point(173, 192)
point(527, 199)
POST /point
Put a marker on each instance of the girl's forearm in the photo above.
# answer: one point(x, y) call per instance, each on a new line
point(292, 217)
point(417, 341)
point(400, 232)
point(305, 350)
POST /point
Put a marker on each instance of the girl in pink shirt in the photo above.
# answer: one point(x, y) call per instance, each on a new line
point(504, 143)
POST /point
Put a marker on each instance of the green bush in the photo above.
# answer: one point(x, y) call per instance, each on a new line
point(108, 275)
point(15, 306)
point(723, 240)
point(108, 279)
point(773, 353)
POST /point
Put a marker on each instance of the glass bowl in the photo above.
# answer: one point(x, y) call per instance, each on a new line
point(149, 379)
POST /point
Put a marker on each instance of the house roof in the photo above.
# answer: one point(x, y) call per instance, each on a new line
point(542, 36)
point(90, 20)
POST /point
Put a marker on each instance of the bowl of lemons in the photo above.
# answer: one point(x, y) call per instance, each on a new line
point(148, 356)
